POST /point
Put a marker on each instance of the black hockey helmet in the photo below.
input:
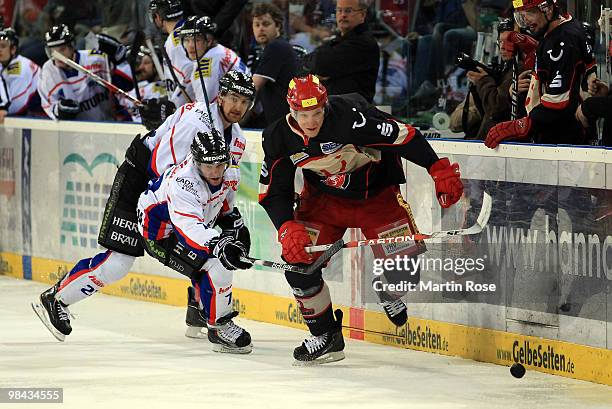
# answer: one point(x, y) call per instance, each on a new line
point(59, 35)
point(210, 147)
point(237, 82)
point(195, 25)
point(167, 9)
point(116, 51)
point(9, 34)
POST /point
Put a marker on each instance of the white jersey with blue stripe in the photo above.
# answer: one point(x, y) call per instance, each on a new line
point(181, 65)
point(171, 142)
point(93, 99)
point(20, 81)
point(182, 202)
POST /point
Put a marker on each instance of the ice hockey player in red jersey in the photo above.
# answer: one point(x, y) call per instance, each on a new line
point(350, 155)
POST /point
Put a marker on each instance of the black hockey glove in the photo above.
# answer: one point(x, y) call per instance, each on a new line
point(67, 109)
point(154, 112)
point(229, 250)
point(233, 224)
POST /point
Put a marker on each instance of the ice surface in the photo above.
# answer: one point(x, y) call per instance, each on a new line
point(125, 353)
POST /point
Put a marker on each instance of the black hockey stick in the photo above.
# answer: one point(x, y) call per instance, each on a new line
point(333, 249)
point(132, 57)
point(201, 77)
point(173, 74)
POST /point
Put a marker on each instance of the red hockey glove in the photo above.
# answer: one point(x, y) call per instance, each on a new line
point(293, 237)
point(517, 129)
point(447, 180)
point(511, 41)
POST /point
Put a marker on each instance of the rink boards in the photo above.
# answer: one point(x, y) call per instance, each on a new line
point(54, 179)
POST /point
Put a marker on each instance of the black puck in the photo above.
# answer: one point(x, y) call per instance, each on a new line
point(517, 370)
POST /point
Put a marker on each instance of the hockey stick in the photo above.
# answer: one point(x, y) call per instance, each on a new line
point(106, 84)
point(201, 77)
point(172, 73)
point(333, 249)
point(132, 57)
point(481, 222)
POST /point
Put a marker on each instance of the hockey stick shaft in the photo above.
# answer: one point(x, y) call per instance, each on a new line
point(106, 84)
point(201, 77)
point(156, 63)
point(173, 74)
point(481, 222)
point(275, 265)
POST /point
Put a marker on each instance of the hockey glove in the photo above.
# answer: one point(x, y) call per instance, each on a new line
point(293, 237)
point(67, 109)
point(511, 42)
point(449, 187)
point(154, 112)
point(517, 129)
point(233, 224)
point(229, 250)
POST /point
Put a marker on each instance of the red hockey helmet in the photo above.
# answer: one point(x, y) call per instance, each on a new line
point(523, 5)
point(306, 93)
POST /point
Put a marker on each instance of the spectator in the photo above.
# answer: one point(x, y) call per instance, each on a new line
point(496, 93)
point(564, 62)
point(278, 63)
point(19, 78)
point(348, 62)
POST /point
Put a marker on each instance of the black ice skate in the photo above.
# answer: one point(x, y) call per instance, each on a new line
point(196, 318)
point(321, 349)
point(225, 336)
point(53, 314)
point(396, 311)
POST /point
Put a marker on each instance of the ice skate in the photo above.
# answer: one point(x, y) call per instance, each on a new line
point(53, 314)
point(322, 349)
point(195, 318)
point(227, 337)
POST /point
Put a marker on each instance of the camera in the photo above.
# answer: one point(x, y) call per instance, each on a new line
point(469, 64)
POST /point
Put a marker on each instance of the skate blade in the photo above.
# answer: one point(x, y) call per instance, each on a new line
point(196, 332)
point(323, 359)
point(42, 314)
point(224, 349)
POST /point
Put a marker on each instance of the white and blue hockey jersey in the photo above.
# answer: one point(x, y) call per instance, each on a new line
point(93, 99)
point(181, 202)
point(19, 85)
point(171, 142)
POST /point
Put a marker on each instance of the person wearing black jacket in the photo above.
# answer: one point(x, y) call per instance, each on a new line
point(222, 12)
point(595, 107)
point(348, 62)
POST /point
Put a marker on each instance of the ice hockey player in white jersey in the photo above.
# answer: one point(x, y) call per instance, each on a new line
point(145, 159)
point(66, 93)
point(167, 15)
point(176, 216)
point(211, 60)
point(236, 96)
point(18, 95)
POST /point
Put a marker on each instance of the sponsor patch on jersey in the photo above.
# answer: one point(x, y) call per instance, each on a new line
point(264, 170)
point(339, 181)
point(188, 185)
point(205, 64)
point(330, 147)
point(14, 68)
point(298, 157)
point(95, 52)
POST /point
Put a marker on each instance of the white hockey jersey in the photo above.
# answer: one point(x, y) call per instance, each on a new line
point(171, 142)
point(148, 90)
point(182, 202)
point(93, 99)
point(182, 67)
point(19, 84)
point(213, 65)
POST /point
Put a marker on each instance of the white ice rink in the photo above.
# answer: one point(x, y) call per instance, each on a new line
point(125, 353)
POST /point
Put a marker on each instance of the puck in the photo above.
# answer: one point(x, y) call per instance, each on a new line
point(517, 370)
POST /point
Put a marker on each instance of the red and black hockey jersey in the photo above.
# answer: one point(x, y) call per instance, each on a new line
point(356, 154)
point(564, 59)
